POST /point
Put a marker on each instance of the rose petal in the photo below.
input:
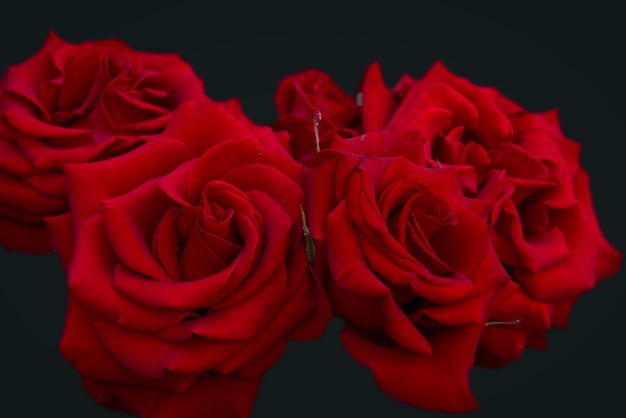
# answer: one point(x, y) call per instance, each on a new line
point(61, 232)
point(90, 281)
point(80, 347)
point(437, 381)
point(378, 104)
point(357, 294)
point(151, 357)
point(200, 293)
point(25, 237)
point(84, 181)
point(129, 224)
point(238, 322)
point(224, 396)
point(213, 125)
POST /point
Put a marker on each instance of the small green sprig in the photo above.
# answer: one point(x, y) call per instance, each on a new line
point(310, 245)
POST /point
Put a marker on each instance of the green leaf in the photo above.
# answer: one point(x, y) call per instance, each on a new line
point(310, 245)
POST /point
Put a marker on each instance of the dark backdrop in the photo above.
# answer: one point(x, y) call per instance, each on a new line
point(541, 56)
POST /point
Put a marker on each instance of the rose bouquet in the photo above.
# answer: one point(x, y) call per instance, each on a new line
point(445, 224)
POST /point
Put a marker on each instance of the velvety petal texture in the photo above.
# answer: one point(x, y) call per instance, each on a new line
point(73, 103)
point(187, 274)
point(445, 224)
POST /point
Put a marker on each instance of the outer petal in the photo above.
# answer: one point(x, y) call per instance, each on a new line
point(218, 395)
point(21, 236)
point(85, 186)
point(81, 348)
point(378, 104)
point(438, 381)
point(90, 278)
point(60, 230)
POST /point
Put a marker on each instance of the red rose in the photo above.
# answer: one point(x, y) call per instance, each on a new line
point(300, 96)
point(541, 219)
point(412, 269)
point(188, 274)
point(76, 103)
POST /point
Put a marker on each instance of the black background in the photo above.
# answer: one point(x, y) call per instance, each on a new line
point(542, 56)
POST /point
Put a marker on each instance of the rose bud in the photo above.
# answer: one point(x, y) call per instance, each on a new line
point(188, 274)
point(310, 102)
point(72, 103)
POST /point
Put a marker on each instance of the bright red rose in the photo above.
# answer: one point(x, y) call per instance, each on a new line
point(541, 220)
point(412, 268)
point(188, 275)
point(300, 96)
point(76, 103)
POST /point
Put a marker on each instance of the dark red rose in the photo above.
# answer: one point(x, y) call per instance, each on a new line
point(412, 268)
point(300, 96)
point(187, 275)
point(76, 103)
point(541, 219)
